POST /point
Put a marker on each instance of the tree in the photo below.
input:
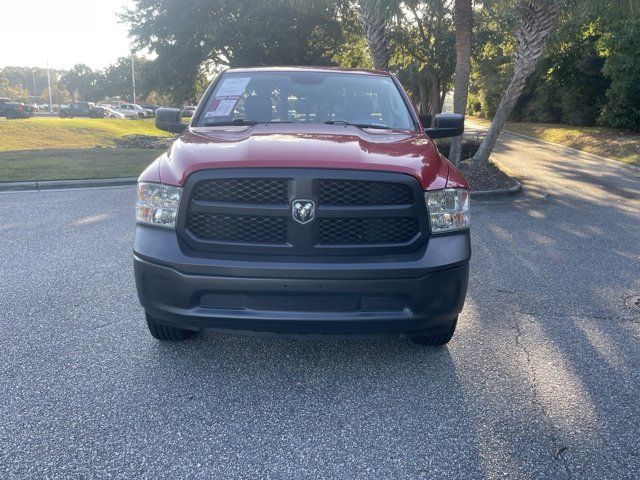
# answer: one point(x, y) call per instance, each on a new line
point(536, 21)
point(83, 81)
point(463, 20)
point(374, 16)
point(622, 109)
point(192, 38)
point(424, 46)
point(15, 92)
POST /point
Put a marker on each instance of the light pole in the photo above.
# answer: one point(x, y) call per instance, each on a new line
point(133, 79)
point(35, 90)
point(49, 86)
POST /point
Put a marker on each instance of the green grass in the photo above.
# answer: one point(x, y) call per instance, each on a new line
point(74, 163)
point(607, 142)
point(53, 132)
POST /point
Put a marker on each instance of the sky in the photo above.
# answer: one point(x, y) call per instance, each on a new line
point(65, 32)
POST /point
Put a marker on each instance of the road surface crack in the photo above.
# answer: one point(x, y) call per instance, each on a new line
point(559, 449)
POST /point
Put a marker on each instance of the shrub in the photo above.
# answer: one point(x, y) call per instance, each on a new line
point(622, 66)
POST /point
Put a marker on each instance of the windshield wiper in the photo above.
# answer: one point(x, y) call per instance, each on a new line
point(359, 125)
point(237, 121)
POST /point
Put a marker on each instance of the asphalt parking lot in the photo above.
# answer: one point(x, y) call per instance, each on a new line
point(541, 381)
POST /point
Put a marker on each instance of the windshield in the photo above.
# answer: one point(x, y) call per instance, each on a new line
point(307, 97)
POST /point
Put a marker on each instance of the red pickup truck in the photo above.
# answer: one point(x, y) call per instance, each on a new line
point(303, 201)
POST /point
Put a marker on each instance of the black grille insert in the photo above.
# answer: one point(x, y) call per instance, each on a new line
point(370, 231)
point(357, 212)
point(247, 229)
point(242, 190)
point(362, 192)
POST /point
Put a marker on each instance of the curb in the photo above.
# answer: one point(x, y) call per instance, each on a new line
point(58, 184)
point(507, 192)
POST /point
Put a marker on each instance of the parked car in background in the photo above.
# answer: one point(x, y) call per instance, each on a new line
point(188, 111)
point(82, 109)
point(152, 108)
point(11, 109)
point(110, 112)
point(132, 110)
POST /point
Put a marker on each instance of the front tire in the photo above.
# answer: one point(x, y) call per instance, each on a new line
point(437, 340)
point(167, 333)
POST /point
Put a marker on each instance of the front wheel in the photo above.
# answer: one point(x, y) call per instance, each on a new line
point(163, 332)
point(437, 340)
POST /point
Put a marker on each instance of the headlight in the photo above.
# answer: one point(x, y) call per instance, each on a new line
point(448, 209)
point(157, 204)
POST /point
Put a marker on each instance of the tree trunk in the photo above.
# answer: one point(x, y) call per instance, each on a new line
point(536, 21)
point(374, 24)
point(423, 106)
point(435, 98)
point(463, 19)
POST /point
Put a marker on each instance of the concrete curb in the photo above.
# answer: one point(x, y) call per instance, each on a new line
point(58, 184)
point(507, 192)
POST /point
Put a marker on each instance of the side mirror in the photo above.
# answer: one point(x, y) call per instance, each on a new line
point(446, 125)
point(170, 120)
point(425, 120)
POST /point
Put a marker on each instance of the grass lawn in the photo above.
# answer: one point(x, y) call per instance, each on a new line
point(52, 148)
point(608, 142)
point(53, 132)
point(74, 163)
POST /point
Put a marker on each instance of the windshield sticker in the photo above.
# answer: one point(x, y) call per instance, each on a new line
point(233, 87)
point(221, 107)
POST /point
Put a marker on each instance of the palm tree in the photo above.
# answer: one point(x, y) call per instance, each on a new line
point(374, 16)
point(536, 20)
point(463, 20)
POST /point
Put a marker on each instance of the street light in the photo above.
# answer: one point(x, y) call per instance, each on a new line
point(49, 85)
point(133, 79)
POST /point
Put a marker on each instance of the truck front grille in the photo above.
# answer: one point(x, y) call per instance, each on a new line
point(367, 231)
point(242, 190)
point(360, 192)
point(251, 229)
point(250, 212)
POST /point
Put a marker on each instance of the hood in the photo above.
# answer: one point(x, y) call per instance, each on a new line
point(304, 146)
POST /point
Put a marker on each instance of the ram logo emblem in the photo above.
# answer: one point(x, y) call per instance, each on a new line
point(303, 211)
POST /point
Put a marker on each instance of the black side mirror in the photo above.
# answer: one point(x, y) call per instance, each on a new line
point(446, 125)
point(170, 120)
point(425, 120)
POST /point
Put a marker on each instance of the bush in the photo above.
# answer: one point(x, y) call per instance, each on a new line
point(622, 66)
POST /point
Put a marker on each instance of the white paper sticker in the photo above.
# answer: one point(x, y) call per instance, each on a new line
point(225, 107)
point(233, 87)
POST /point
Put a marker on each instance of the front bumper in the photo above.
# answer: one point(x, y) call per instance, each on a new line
point(413, 295)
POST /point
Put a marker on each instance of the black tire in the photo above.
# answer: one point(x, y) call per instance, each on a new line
point(439, 339)
point(163, 332)
point(140, 116)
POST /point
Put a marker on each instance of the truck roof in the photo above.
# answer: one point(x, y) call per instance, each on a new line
point(310, 69)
